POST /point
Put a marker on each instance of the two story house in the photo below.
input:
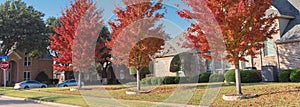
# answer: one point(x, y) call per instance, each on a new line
point(283, 50)
point(22, 67)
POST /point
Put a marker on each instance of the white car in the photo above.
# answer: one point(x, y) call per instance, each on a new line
point(29, 84)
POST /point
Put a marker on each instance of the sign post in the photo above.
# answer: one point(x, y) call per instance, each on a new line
point(4, 66)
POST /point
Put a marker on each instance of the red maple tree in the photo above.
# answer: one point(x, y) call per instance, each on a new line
point(72, 40)
point(243, 24)
point(133, 24)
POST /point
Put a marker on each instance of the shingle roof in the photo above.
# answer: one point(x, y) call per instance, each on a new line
point(285, 7)
point(174, 46)
point(289, 8)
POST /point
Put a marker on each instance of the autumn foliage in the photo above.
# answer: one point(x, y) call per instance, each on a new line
point(141, 54)
point(132, 25)
point(241, 26)
point(74, 24)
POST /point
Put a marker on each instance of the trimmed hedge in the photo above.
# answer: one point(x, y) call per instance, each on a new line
point(284, 75)
point(247, 76)
point(295, 75)
point(216, 78)
point(156, 81)
point(230, 76)
point(204, 77)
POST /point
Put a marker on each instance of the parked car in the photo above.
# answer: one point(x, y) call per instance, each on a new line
point(29, 84)
point(68, 83)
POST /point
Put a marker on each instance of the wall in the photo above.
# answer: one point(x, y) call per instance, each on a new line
point(36, 67)
point(162, 67)
point(289, 55)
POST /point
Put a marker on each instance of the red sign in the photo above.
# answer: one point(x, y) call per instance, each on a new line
point(4, 65)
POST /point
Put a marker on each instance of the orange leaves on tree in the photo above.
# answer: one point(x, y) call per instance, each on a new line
point(139, 55)
point(73, 22)
point(243, 23)
point(134, 23)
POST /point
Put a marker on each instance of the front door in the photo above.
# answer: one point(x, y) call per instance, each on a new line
point(12, 73)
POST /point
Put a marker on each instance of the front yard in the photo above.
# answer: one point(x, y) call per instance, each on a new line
point(270, 94)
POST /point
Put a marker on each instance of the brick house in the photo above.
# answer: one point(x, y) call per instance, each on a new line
point(280, 52)
point(283, 51)
point(22, 67)
point(171, 48)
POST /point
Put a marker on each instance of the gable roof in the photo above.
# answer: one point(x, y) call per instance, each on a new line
point(289, 8)
point(174, 47)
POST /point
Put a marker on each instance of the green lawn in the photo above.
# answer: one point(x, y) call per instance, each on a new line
point(270, 94)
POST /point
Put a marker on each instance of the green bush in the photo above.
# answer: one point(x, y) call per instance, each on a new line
point(175, 64)
point(230, 76)
point(247, 76)
point(146, 81)
point(295, 75)
point(204, 77)
point(42, 77)
point(216, 78)
point(284, 75)
point(156, 80)
point(169, 80)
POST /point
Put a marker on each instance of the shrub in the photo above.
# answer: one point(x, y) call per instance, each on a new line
point(216, 78)
point(169, 80)
point(295, 75)
point(146, 81)
point(247, 76)
point(156, 80)
point(204, 77)
point(42, 77)
point(230, 76)
point(284, 75)
point(175, 65)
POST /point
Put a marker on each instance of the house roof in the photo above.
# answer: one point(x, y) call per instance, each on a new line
point(174, 47)
point(291, 9)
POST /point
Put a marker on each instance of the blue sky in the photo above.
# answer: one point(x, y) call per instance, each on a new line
point(174, 25)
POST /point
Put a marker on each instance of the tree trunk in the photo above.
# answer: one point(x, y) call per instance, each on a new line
point(238, 79)
point(138, 85)
point(79, 80)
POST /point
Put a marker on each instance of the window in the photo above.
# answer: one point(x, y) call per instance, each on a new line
point(217, 65)
point(269, 49)
point(26, 75)
point(27, 60)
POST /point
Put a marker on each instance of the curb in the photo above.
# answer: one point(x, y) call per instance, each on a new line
point(39, 101)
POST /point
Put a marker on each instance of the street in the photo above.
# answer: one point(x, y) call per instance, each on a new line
point(18, 102)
